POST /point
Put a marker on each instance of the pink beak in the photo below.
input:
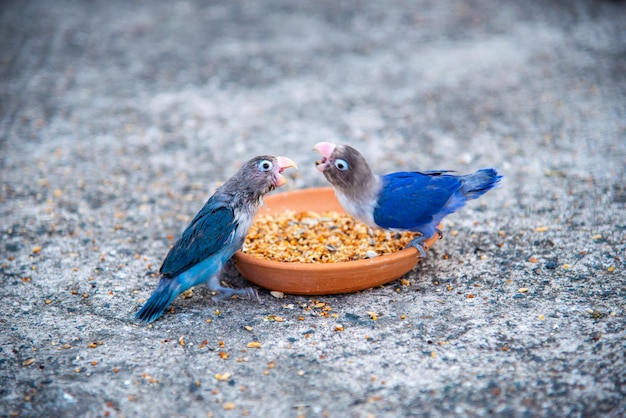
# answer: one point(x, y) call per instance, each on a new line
point(326, 149)
point(283, 164)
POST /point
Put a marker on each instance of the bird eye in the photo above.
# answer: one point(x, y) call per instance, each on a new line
point(341, 165)
point(265, 165)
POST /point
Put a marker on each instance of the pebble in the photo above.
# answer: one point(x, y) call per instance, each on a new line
point(550, 265)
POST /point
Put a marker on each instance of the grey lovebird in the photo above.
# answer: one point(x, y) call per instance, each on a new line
point(403, 201)
point(215, 234)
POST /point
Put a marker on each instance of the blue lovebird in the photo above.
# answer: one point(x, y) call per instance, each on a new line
point(403, 201)
point(215, 234)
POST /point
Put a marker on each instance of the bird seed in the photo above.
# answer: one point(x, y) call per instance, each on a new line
point(327, 237)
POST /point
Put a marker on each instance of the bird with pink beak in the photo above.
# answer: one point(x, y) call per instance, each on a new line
point(402, 201)
point(215, 234)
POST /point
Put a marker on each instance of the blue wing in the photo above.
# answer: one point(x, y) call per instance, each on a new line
point(409, 200)
point(209, 231)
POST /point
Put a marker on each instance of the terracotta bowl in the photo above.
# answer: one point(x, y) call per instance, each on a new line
point(321, 278)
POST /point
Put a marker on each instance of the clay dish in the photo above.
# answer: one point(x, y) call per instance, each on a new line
point(321, 278)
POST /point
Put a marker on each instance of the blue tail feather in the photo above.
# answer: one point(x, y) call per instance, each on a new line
point(479, 183)
point(163, 295)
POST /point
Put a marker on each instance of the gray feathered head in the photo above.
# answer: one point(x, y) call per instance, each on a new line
point(343, 166)
point(259, 176)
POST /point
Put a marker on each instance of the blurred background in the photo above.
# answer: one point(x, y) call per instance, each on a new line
point(118, 119)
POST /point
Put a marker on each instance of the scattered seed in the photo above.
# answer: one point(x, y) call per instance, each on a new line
point(28, 362)
point(254, 344)
point(223, 377)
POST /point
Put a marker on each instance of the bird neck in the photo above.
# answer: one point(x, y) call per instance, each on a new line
point(361, 200)
point(241, 196)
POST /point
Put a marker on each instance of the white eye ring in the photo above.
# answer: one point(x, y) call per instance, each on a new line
point(342, 165)
point(265, 165)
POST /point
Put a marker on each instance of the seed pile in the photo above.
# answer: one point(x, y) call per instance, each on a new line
point(311, 237)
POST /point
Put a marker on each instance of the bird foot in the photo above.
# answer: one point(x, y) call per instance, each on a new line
point(227, 292)
point(419, 244)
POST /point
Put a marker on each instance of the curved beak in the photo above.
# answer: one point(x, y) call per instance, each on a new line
point(326, 149)
point(283, 163)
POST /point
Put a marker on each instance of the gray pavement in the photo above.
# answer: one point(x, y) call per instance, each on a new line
point(118, 119)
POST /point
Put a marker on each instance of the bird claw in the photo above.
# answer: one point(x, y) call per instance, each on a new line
point(222, 292)
point(252, 293)
point(419, 244)
point(226, 292)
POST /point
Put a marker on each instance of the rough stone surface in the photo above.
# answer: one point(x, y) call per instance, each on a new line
point(118, 119)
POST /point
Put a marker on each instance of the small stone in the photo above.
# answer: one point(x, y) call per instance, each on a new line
point(550, 265)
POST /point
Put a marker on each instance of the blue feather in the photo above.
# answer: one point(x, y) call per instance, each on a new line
point(406, 201)
point(208, 232)
point(170, 287)
point(418, 201)
point(206, 244)
point(215, 234)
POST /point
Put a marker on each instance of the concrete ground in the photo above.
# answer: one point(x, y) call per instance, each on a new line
point(118, 119)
